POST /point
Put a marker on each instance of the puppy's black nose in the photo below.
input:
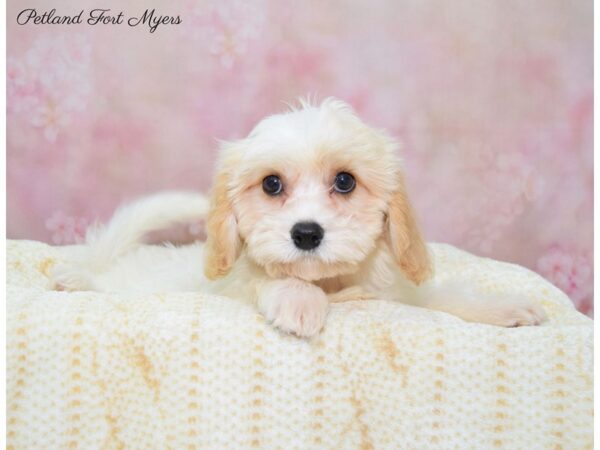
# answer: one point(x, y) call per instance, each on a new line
point(307, 235)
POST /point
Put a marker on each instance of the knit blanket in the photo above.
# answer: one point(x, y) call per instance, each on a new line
point(93, 370)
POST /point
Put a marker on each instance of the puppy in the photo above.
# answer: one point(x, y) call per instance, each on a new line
point(308, 209)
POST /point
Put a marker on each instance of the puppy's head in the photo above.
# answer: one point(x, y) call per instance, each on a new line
point(310, 194)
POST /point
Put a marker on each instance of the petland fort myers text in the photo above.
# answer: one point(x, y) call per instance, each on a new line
point(150, 18)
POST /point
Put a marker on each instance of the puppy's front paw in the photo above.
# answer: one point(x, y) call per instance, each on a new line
point(294, 306)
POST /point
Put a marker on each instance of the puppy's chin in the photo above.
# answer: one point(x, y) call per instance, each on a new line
point(310, 269)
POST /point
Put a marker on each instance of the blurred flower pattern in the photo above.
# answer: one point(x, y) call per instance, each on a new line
point(493, 103)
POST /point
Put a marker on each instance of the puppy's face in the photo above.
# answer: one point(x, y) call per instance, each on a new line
point(310, 194)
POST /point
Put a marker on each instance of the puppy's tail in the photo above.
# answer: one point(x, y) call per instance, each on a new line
point(125, 232)
point(131, 222)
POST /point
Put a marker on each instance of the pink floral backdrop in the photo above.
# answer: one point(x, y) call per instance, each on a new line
point(493, 101)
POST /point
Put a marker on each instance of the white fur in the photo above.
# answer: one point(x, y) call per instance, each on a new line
point(110, 246)
point(293, 305)
point(361, 254)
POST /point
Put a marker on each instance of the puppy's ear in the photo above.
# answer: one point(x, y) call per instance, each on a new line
point(223, 244)
point(404, 238)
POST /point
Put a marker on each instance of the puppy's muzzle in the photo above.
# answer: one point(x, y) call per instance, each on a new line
point(307, 235)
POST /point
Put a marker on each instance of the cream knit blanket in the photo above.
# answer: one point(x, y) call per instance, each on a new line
point(189, 371)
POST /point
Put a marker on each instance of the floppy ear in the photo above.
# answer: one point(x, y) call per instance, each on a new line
point(223, 244)
point(405, 240)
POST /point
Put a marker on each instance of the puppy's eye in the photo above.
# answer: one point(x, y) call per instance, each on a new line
point(272, 185)
point(344, 183)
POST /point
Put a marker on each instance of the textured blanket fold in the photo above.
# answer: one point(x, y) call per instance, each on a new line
point(189, 371)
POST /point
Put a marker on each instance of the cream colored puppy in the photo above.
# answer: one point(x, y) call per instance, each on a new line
point(309, 208)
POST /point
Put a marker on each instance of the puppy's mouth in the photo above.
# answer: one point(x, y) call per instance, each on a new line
point(307, 251)
point(310, 267)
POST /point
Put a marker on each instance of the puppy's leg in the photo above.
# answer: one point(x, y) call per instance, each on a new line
point(293, 305)
point(506, 310)
point(350, 294)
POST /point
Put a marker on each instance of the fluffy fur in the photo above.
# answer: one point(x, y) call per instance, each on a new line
point(372, 246)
